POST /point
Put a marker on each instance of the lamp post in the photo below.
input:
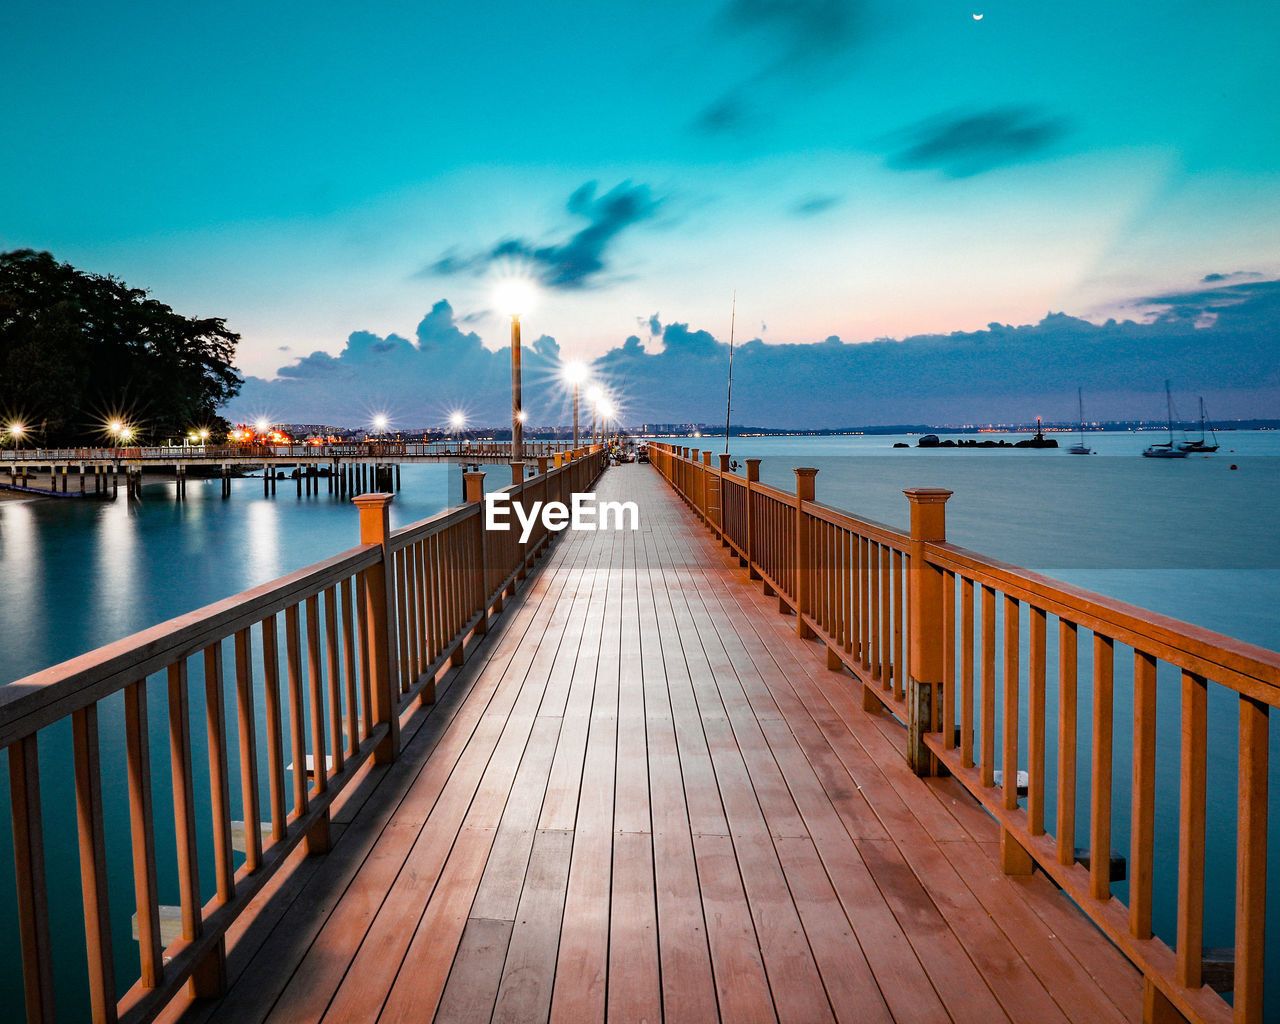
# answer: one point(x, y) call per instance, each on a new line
point(575, 374)
point(514, 297)
point(594, 397)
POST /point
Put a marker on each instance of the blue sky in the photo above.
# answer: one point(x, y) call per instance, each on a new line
point(852, 168)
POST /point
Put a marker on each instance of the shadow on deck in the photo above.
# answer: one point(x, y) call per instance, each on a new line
point(644, 798)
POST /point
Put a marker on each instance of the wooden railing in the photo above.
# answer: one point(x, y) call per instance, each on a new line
point(959, 646)
point(362, 634)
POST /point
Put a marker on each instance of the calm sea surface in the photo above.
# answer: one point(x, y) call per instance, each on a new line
point(1194, 538)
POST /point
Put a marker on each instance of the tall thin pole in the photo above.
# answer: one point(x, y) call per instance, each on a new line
point(575, 414)
point(517, 427)
point(728, 401)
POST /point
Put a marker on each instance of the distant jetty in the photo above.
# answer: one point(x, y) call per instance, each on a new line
point(932, 441)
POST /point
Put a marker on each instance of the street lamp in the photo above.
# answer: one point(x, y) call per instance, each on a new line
point(16, 431)
point(514, 296)
point(575, 374)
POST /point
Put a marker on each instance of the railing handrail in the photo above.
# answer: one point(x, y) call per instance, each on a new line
point(36, 700)
point(1257, 668)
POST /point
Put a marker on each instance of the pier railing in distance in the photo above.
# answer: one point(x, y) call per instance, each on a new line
point(322, 663)
point(935, 633)
point(373, 449)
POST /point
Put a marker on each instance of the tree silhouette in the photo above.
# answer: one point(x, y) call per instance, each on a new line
point(78, 349)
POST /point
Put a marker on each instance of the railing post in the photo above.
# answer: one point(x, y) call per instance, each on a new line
point(723, 459)
point(473, 494)
point(805, 491)
point(375, 528)
point(753, 477)
point(925, 655)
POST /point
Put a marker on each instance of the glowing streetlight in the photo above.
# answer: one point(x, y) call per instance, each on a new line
point(262, 426)
point(575, 374)
point(457, 420)
point(204, 435)
point(380, 423)
point(514, 297)
point(16, 431)
point(606, 413)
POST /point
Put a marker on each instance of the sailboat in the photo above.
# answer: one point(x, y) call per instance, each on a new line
point(1201, 445)
point(1166, 450)
point(1080, 448)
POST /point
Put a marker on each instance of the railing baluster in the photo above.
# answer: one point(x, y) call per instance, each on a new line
point(333, 678)
point(987, 692)
point(966, 672)
point(93, 863)
point(1191, 829)
point(400, 613)
point(274, 723)
point(1142, 831)
point(886, 616)
point(184, 820)
point(366, 654)
point(1067, 683)
point(1035, 724)
point(899, 663)
point(1009, 727)
point(215, 721)
point(142, 832)
point(949, 660)
point(1100, 803)
point(1251, 862)
point(315, 696)
point(297, 733)
point(349, 642)
point(247, 730)
point(31, 894)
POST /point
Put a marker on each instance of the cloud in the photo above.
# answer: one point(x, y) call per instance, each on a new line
point(1219, 342)
point(1235, 275)
point(814, 205)
point(964, 144)
point(804, 30)
point(579, 261)
point(797, 41)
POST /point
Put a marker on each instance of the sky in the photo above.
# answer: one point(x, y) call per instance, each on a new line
point(350, 184)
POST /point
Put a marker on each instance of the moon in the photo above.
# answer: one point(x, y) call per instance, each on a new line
point(977, 17)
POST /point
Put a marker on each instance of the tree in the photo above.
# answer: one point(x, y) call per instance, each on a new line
point(78, 349)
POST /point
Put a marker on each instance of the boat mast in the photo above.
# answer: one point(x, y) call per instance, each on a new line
point(728, 399)
point(1080, 400)
point(1168, 401)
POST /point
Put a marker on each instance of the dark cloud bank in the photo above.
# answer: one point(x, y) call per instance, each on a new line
point(1001, 373)
point(580, 260)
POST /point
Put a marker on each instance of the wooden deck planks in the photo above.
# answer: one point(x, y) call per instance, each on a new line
point(645, 798)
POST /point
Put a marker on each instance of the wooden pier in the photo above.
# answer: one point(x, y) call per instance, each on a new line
point(608, 780)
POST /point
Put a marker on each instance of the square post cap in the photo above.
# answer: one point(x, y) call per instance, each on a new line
point(753, 469)
point(724, 462)
point(375, 517)
point(928, 512)
point(805, 482)
point(473, 486)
